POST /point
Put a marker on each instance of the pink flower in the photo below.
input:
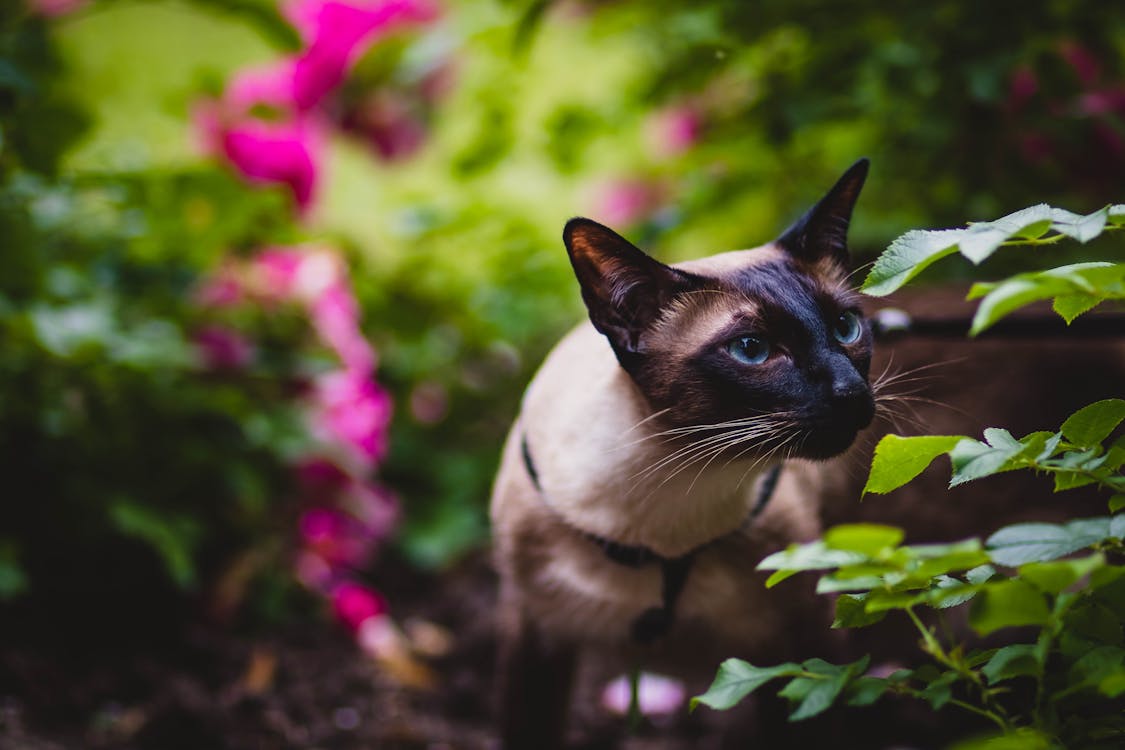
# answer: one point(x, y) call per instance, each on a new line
point(338, 538)
point(626, 202)
point(335, 316)
point(55, 8)
point(274, 272)
point(657, 695)
point(350, 410)
point(355, 603)
point(338, 33)
point(223, 348)
point(255, 128)
point(674, 130)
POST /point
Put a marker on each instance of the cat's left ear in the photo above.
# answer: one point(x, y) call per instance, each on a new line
point(823, 231)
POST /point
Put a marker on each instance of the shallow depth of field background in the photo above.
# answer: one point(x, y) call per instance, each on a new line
point(261, 335)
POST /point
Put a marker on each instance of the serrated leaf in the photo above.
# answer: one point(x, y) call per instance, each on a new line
point(907, 257)
point(973, 459)
point(1011, 661)
point(737, 679)
point(981, 239)
point(899, 459)
point(1070, 306)
point(1112, 685)
point(1002, 298)
point(1116, 503)
point(1081, 228)
point(865, 538)
point(1007, 604)
point(1092, 424)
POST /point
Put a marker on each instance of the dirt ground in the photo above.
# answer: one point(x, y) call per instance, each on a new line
point(303, 686)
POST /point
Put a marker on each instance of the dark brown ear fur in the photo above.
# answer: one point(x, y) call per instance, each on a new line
point(625, 290)
point(823, 231)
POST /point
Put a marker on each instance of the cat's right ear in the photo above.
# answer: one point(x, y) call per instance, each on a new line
point(624, 290)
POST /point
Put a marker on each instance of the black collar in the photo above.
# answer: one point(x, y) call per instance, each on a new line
point(656, 621)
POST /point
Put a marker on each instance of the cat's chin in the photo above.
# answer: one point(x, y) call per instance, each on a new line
point(823, 447)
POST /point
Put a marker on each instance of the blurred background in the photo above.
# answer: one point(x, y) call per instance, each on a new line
point(273, 277)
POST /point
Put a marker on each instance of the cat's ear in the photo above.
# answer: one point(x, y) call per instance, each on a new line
point(625, 290)
point(823, 231)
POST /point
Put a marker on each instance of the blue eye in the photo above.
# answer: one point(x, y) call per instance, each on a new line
point(749, 350)
point(847, 328)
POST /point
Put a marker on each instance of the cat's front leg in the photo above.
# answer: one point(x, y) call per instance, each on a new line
point(536, 674)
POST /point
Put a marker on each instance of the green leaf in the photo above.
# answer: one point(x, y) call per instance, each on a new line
point(866, 538)
point(851, 612)
point(1019, 739)
point(1011, 661)
point(907, 257)
point(812, 556)
point(1056, 576)
point(973, 459)
point(864, 691)
point(172, 538)
point(899, 459)
point(1036, 542)
point(1117, 214)
point(1092, 424)
point(1000, 299)
point(815, 695)
point(1007, 604)
point(1070, 306)
point(1081, 228)
point(737, 679)
point(940, 690)
point(981, 239)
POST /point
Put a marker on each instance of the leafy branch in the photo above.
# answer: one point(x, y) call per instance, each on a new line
point(1075, 289)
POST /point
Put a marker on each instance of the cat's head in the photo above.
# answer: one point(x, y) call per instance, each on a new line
point(768, 345)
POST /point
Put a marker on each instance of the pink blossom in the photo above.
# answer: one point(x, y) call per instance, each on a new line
point(338, 33)
point(55, 8)
point(337, 537)
point(674, 130)
point(657, 695)
point(255, 128)
point(274, 272)
point(335, 316)
point(625, 202)
point(222, 348)
point(352, 411)
point(355, 603)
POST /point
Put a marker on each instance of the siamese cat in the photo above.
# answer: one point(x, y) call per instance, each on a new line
point(639, 486)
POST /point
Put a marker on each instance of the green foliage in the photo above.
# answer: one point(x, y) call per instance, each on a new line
point(128, 460)
point(1063, 615)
